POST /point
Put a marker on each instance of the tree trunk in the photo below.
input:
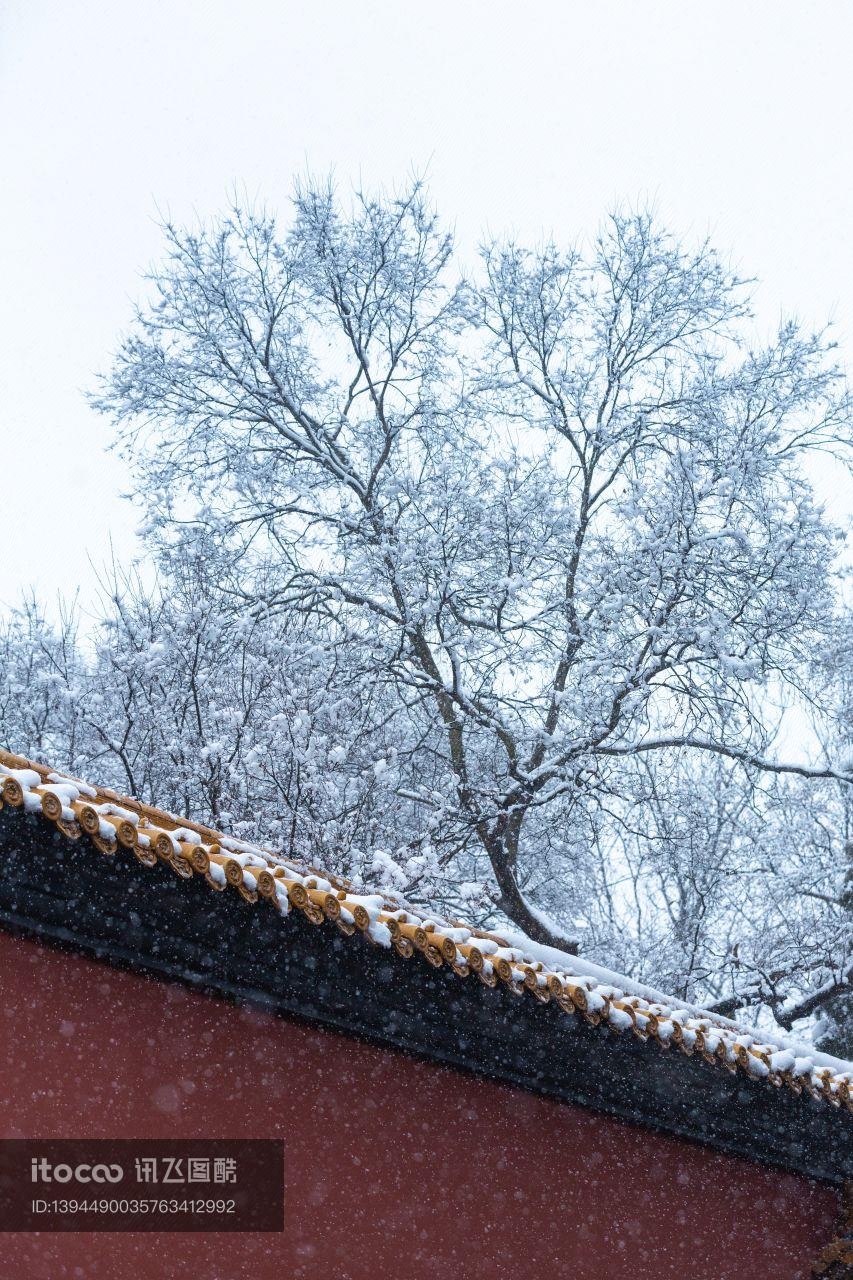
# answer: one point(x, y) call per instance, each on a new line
point(502, 848)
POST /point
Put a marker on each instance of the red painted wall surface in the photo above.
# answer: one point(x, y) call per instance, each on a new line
point(393, 1167)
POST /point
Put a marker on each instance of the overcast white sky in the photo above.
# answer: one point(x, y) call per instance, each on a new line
point(733, 118)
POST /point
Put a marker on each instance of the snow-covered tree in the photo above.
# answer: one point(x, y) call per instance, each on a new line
point(42, 673)
point(538, 552)
point(266, 726)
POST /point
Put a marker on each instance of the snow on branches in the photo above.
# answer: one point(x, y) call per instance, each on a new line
point(524, 560)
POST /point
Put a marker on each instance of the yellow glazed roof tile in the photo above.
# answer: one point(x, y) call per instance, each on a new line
point(113, 823)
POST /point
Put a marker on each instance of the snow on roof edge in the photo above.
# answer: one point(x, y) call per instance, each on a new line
point(553, 956)
point(578, 986)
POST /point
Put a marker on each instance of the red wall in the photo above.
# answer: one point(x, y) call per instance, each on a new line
point(393, 1167)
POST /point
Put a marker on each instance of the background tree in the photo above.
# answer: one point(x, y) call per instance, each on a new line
point(42, 672)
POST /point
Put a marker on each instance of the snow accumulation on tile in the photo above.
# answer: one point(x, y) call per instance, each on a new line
point(578, 987)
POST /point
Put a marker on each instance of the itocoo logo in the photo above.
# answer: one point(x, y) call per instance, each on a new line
point(43, 1171)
